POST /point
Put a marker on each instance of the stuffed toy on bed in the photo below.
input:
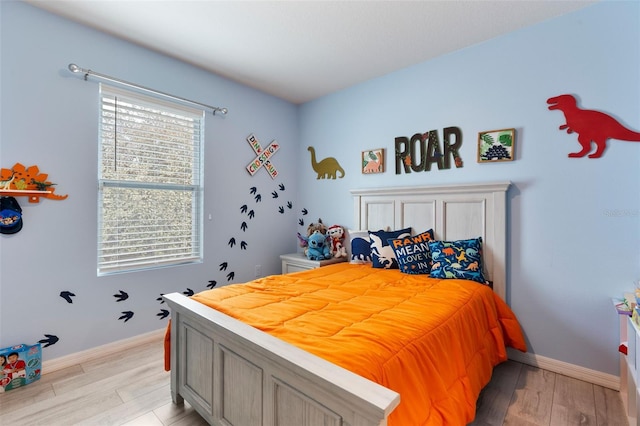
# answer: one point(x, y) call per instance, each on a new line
point(318, 248)
point(336, 233)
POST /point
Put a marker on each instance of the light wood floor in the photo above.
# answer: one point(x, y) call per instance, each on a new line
point(133, 389)
point(521, 395)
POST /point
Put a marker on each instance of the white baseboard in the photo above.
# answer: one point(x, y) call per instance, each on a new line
point(566, 369)
point(100, 351)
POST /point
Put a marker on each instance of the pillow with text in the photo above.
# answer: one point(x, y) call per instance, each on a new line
point(412, 253)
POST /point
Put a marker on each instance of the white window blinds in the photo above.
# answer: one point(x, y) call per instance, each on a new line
point(150, 182)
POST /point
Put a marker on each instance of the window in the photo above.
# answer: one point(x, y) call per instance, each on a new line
point(150, 182)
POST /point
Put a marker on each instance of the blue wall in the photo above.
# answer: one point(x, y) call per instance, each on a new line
point(50, 119)
point(574, 224)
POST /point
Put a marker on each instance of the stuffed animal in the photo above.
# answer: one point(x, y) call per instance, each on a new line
point(336, 233)
point(304, 241)
point(318, 247)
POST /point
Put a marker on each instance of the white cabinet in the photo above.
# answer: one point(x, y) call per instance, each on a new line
point(296, 262)
point(629, 365)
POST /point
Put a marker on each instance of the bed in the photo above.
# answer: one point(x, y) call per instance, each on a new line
point(233, 373)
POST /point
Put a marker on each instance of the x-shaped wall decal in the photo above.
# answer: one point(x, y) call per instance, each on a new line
point(263, 156)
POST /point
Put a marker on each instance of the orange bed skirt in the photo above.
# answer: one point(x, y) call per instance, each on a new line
point(435, 342)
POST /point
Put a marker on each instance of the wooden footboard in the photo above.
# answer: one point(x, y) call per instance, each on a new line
point(234, 374)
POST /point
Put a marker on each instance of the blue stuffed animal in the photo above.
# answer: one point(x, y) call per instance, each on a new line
point(318, 247)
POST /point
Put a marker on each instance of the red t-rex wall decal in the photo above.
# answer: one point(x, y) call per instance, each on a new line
point(591, 126)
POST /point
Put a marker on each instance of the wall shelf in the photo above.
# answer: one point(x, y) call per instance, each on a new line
point(21, 181)
point(34, 196)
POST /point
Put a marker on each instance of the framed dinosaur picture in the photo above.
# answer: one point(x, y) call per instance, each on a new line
point(496, 145)
point(373, 161)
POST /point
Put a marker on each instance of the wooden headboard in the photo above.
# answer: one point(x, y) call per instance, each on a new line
point(454, 212)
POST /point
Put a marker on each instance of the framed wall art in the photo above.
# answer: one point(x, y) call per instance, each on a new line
point(373, 161)
point(496, 145)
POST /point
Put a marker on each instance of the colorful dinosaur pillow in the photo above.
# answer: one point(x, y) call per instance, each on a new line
point(412, 253)
point(382, 254)
point(457, 259)
point(360, 245)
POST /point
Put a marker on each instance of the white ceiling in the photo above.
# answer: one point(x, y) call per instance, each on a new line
point(301, 50)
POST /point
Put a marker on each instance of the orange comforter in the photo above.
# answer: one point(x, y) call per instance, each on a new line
point(435, 342)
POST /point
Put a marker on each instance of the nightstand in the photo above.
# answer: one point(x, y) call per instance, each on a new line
point(295, 262)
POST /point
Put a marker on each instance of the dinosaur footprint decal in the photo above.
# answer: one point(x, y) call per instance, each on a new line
point(121, 296)
point(49, 340)
point(591, 126)
point(67, 295)
point(126, 316)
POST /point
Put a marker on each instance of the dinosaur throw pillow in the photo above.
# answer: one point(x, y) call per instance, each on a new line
point(460, 259)
point(382, 254)
point(412, 253)
point(360, 245)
